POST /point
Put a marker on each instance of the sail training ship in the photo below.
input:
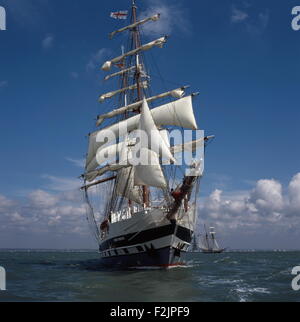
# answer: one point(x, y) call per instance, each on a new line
point(209, 244)
point(142, 214)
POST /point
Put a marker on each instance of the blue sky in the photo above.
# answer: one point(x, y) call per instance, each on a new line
point(243, 58)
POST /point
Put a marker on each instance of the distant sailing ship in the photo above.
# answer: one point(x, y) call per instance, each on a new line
point(142, 215)
point(208, 242)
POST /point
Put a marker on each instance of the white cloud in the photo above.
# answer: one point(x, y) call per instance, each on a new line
point(264, 207)
point(62, 184)
point(42, 199)
point(5, 203)
point(77, 162)
point(268, 209)
point(97, 59)
point(174, 18)
point(294, 194)
point(42, 212)
point(48, 42)
point(238, 15)
point(254, 23)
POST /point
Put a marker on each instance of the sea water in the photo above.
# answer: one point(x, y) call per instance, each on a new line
point(79, 276)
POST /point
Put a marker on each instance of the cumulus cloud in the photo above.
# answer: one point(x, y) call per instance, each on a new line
point(174, 18)
point(294, 195)
point(48, 42)
point(61, 183)
point(265, 206)
point(269, 208)
point(44, 212)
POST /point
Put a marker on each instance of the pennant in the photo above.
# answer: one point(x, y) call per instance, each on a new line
point(119, 15)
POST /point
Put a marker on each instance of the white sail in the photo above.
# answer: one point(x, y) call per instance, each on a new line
point(92, 175)
point(151, 174)
point(125, 185)
point(154, 140)
point(177, 113)
point(190, 146)
point(156, 43)
point(175, 93)
point(134, 25)
point(103, 97)
point(165, 136)
point(109, 153)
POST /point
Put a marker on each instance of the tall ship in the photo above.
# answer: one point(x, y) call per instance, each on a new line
point(208, 242)
point(145, 159)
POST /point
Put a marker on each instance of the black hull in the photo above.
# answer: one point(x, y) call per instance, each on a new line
point(161, 258)
point(213, 251)
point(163, 247)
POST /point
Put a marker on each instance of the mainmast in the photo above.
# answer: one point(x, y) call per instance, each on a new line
point(137, 44)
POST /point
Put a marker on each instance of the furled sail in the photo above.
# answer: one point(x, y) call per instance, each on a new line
point(122, 72)
point(177, 113)
point(175, 93)
point(134, 25)
point(156, 43)
point(103, 97)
